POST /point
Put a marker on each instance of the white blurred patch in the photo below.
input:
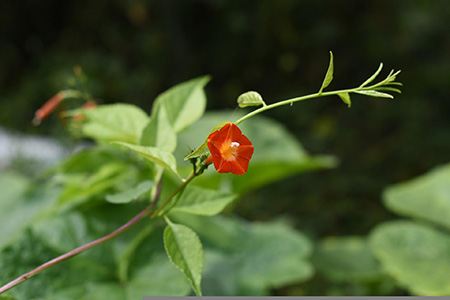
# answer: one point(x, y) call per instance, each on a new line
point(40, 149)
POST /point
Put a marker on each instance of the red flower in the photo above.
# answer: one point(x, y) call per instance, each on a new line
point(48, 108)
point(230, 150)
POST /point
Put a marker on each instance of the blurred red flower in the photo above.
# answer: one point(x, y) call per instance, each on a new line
point(230, 150)
point(45, 110)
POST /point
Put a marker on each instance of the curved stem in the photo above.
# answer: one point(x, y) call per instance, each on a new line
point(143, 213)
point(290, 101)
point(149, 211)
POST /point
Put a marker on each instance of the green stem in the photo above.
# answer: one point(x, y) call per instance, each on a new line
point(168, 201)
point(293, 100)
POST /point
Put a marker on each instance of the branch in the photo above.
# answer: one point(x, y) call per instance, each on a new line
point(142, 214)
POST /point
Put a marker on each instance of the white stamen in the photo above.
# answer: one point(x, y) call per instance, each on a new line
point(235, 144)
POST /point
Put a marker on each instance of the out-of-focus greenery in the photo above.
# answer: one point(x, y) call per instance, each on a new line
point(414, 252)
point(132, 50)
point(66, 208)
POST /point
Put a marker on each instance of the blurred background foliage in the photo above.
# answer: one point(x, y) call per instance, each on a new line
point(130, 51)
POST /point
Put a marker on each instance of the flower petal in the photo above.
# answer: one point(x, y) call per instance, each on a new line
point(231, 167)
point(230, 150)
point(243, 164)
point(245, 151)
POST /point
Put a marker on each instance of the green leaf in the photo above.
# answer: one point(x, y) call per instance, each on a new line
point(200, 201)
point(62, 233)
point(394, 83)
point(199, 151)
point(373, 93)
point(345, 97)
point(277, 153)
point(426, 197)
point(185, 103)
point(416, 255)
point(91, 174)
point(80, 188)
point(158, 277)
point(251, 98)
point(329, 75)
point(89, 160)
point(115, 123)
point(275, 256)
point(389, 89)
point(155, 155)
point(390, 79)
point(250, 258)
point(346, 259)
point(159, 132)
point(131, 194)
point(372, 78)
point(185, 251)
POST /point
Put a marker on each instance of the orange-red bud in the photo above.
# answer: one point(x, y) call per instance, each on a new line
point(48, 107)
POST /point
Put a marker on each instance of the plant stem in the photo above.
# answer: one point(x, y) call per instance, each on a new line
point(143, 213)
point(168, 201)
point(386, 83)
point(149, 211)
point(293, 100)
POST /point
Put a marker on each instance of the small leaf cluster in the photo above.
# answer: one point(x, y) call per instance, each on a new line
point(381, 89)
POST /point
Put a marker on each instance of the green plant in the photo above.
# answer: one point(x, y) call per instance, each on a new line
point(400, 255)
point(416, 252)
point(136, 161)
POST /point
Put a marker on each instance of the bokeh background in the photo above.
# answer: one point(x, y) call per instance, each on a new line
point(130, 51)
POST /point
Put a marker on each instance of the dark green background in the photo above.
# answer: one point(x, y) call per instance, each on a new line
point(132, 50)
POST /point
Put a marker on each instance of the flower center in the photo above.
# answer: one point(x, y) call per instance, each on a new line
point(229, 150)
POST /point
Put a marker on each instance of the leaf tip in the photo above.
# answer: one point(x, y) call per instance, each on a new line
point(204, 79)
